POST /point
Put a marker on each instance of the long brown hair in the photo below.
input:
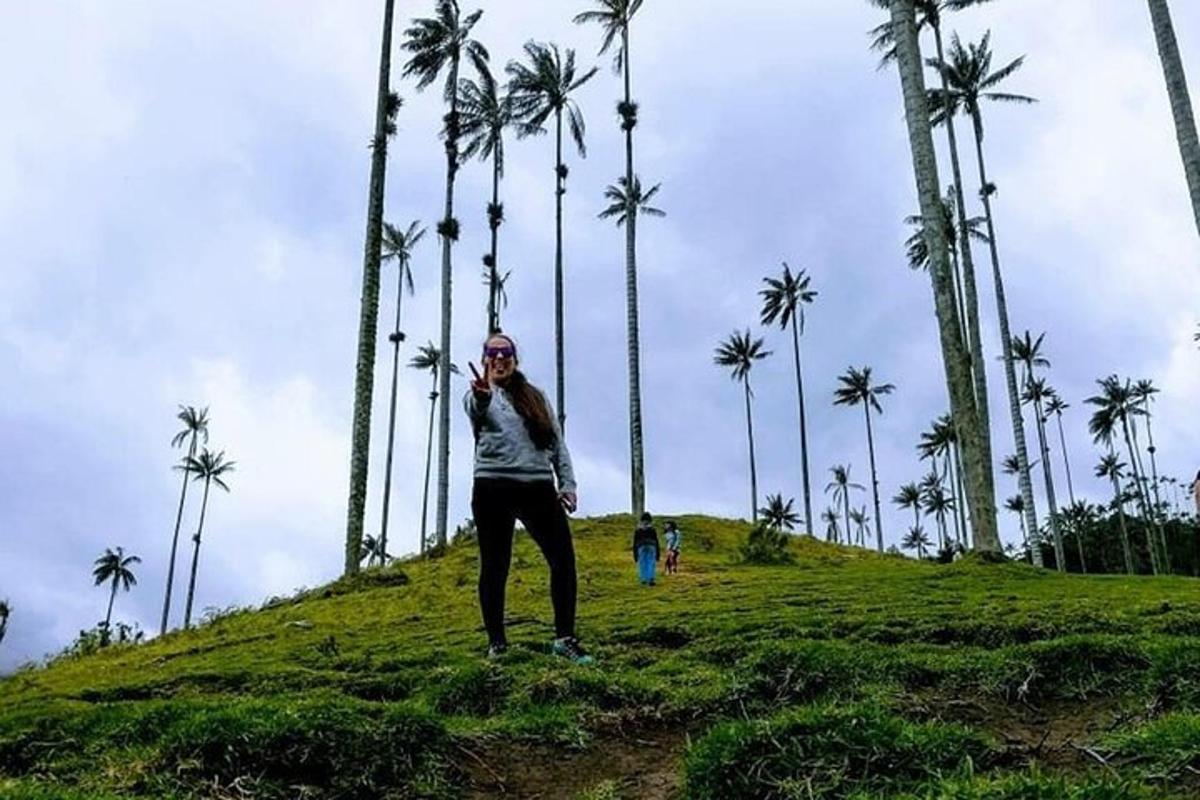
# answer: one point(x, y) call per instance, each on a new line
point(529, 403)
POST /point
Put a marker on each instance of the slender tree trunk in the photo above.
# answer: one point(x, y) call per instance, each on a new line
point(846, 503)
point(1156, 527)
point(494, 270)
point(449, 234)
point(187, 612)
point(958, 500)
point(433, 396)
point(1024, 480)
point(874, 478)
point(111, 597)
point(162, 628)
point(962, 507)
point(964, 410)
point(560, 189)
point(1143, 502)
point(364, 378)
point(1158, 503)
point(753, 468)
point(1024, 533)
point(1181, 103)
point(803, 430)
point(1062, 439)
point(397, 337)
point(1119, 505)
point(1055, 528)
point(968, 267)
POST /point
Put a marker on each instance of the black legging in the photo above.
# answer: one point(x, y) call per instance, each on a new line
point(497, 503)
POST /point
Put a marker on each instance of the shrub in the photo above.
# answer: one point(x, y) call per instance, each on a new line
point(766, 545)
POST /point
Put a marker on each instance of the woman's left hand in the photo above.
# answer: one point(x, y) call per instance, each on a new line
point(569, 501)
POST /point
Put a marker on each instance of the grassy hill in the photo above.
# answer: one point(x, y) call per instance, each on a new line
point(843, 675)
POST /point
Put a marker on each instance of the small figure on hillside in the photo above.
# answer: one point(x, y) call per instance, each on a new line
point(674, 536)
point(645, 549)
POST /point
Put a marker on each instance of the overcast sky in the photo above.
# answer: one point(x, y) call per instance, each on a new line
point(182, 205)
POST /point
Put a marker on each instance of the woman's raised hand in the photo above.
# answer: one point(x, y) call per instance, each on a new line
point(481, 386)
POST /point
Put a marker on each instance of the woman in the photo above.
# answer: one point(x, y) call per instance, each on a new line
point(522, 471)
point(645, 549)
point(673, 541)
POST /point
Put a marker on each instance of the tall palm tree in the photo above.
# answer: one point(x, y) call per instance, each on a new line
point(778, 514)
point(1056, 406)
point(916, 539)
point(621, 200)
point(840, 487)
point(739, 352)
point(1079, 518)
point(938, 503)
point(542, 89)
point(942, 440)
point(1143, 393)
point(438, 44)
point(1115, 405)
point(1110, 467)
point(211, 469)
point(373, 552)
point(387, 104)
point(830, 518)
point(115, 567)
point(428, 358)
point(615, 17)
point(1017, 505)
point(484, 116)
point(969, 80)
point(195, 427)
point(956, 360)
point(1181, 102)
point(860, 519)
point(1027, 351)
point(1036, 394)
point(784, 299)
point(5, 612)
point(397, 246)
point(909, 496)
point(857, 389)
point(499, 283)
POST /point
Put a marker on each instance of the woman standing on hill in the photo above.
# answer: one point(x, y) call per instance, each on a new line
point(522, 471)
point(645, 549)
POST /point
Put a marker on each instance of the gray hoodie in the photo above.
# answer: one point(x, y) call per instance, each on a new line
point(503, 448)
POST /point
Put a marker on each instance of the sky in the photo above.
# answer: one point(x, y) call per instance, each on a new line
point(182, 212)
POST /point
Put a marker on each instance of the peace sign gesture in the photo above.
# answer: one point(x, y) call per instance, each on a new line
point(482, 385)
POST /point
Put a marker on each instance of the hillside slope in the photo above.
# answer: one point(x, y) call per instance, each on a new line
point(843, 675)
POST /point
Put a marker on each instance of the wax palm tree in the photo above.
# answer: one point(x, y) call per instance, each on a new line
point(909, 496)
point(778, 514)
point(5, 612)
point(500, 283)
point(211, 469)
point(857, 389)
point(964, 407)
point(621, 200)
point(916, 539)
point(114, 567)
point(1056, 406)
point(542, 89)
point(784, 299)
point(1115, 405)
point(941, 440)
point(428, 357)
point(830, 518)
point(1027, 351)
point(615, 17)
point(1016, 505)
point(484, 116)
point(739, 352)
point(1110, 467)
point(938, 503)
point(1143, 394)
point(373, 552)
point(397, 246)
point(438, 45)
point(860, 519)
point(387, 104)
point(195, 428)
point(1181, 102)
point(840, 488)
point(1036, 394)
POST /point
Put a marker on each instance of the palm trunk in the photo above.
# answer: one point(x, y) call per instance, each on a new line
point(187, 612)
point(1151, 449)
point(449, 234)
point(1181, 103)
point(874, 478)
point(433, 396)
point(1079, 544)
point(968, 267)
point(1062, 439)
point(846, 503)
point(1055, 529)
point(162, 628)
point(364, 378)
point(1024, 533)
point(1120, 507)
point(753, 469)
point(1143, 501)
point(956, 361)
point(396, 337)
point(958, 536)
point(1024, 479)
point(1143, 483)
point(559, 352)
point(962, 506)
point(803, 429)
point(494, 270)
point(111, 597)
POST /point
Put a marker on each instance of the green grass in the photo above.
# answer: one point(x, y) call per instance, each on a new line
point(844, 673)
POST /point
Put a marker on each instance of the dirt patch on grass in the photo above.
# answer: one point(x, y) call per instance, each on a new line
point(643, 762)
